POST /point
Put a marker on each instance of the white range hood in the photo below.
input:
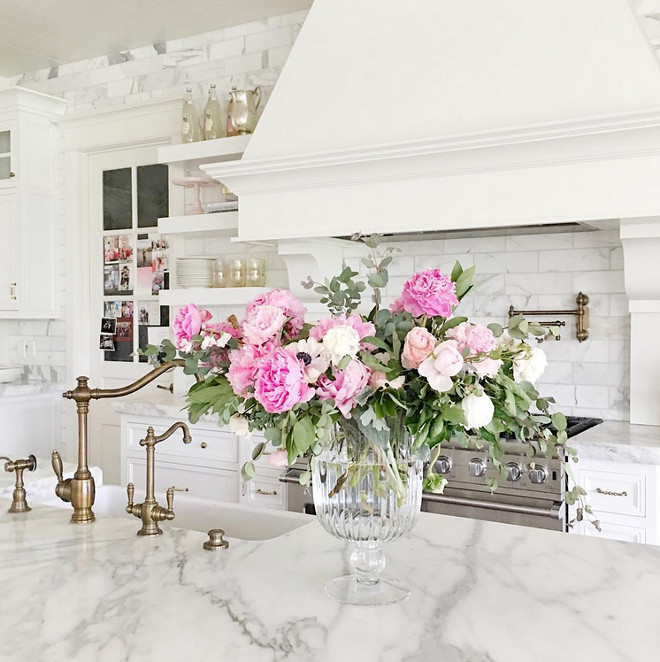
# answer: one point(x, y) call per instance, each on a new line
point(444, 114)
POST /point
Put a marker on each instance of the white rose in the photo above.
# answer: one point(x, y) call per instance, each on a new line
point(239, 425)
point(341, 341)
point(478, 410)
point(530, 366)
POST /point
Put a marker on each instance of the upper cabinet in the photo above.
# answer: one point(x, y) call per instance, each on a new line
point(29, 251)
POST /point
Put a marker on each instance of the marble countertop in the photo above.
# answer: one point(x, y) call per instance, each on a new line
point(30, 388)
point(619, 441)
point(155, 402)
point(480, 591)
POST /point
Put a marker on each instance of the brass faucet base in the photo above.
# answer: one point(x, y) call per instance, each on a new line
point(19, 502)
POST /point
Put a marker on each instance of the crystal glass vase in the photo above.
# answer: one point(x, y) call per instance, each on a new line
point(367, 493)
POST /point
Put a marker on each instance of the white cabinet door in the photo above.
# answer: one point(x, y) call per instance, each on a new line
point(8, 220)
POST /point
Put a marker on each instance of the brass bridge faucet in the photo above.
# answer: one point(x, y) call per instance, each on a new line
point(149, 511)
point(80, 490)
point(19, 503)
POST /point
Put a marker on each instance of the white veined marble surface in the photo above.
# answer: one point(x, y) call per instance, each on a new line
point(29, 388)
point(619, 441)
point(480, 592)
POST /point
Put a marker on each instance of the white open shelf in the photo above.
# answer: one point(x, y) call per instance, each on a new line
point(205, 151)
point(222, 224)
point(210, 296)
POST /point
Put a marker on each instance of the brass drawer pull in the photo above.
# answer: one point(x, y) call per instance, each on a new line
point(608, 493)
point(203, 444)
point(264, 493)
point(180, 489)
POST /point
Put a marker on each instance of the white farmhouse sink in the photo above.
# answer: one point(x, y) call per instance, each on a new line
point(237, 521)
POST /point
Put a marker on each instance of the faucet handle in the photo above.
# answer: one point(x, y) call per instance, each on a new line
point(58, 468)
point(130, 491)
point(169, 495)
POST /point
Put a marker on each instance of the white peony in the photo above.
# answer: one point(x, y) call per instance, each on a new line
point(341, 341)
point(530, 365)
point(239, 425)
point(478, 410)
point(210, 340)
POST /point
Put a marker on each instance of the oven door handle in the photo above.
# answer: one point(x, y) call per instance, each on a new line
point(554, 512)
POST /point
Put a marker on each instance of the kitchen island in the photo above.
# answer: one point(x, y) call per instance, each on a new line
point(480, 591)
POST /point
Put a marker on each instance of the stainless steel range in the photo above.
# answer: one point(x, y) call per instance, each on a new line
point(532, 495)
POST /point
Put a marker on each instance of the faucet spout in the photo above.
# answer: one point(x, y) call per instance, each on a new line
point(81, 487)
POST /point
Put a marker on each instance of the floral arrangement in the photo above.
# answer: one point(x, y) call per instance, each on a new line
point(441, 376)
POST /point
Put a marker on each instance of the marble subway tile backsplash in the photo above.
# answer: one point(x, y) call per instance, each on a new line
point(589, 378)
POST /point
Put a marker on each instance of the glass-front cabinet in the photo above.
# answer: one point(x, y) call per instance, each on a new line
point(7, 166)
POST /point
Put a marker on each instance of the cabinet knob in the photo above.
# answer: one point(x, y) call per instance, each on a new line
point(12, 174)
point(203, 444)
point(12, 291)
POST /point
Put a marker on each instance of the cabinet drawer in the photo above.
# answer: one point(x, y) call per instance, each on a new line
point(214, 445)
point(615, 531)
point(200, 482)
point(618, 493)
point(265, 492)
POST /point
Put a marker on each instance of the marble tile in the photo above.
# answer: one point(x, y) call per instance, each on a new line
point(508, 263)
point(475, 245)
point(444, 262)
point(262, 41)
point(605, 282)
point(535, 283)
point(227, 48)
point(579, 259)
point(528, 242)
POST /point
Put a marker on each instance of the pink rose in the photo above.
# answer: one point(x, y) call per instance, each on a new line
point(292, 307)
point(362, 328)
point(429, 292)
point(279, 458)
point(348, 384)
point(243, 367)
point(378, 379)
point(417, 346)
point(281, 382)
point(188, 323)
point(263, 324)
point(477, 338)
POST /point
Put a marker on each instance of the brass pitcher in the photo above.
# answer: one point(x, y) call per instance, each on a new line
point(242, 110)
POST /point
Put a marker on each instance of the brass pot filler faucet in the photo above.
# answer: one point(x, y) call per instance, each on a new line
point(80, 489)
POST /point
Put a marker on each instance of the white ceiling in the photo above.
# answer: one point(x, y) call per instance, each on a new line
point(36, 34)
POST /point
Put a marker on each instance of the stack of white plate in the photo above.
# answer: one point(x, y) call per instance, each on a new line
point(195, 271)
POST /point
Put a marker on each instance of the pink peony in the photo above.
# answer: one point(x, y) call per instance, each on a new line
point(363, 329)
point(281, 382)
point(397, 306)
point(292, 307)
point(263, 324)
point(417, 346)
point(348, 384)
point(223, 327)
point(477, 338)
point(429, 292)
point(243, 367)
point(188, 323)
point(378, 379)
point(445, 362)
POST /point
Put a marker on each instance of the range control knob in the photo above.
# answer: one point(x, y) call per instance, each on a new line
point(442, 465)
point(538, 474)
point(513, 471)
point(476, 467)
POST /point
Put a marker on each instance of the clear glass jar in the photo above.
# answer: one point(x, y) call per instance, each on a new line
point(219, 274)
point(367, 494)
point(255, 275)
point(236, 270)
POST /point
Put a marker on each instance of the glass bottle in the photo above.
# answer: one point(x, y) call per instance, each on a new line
point(190, 130)
point(212, 119)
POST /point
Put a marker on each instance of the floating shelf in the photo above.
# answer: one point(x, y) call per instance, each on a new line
point(205, 151)
point(224, 224)
point(210, 296)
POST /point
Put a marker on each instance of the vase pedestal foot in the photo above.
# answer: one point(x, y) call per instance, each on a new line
point(350, 591)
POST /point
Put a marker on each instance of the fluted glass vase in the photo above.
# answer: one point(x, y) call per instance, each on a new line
point(367, 493)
